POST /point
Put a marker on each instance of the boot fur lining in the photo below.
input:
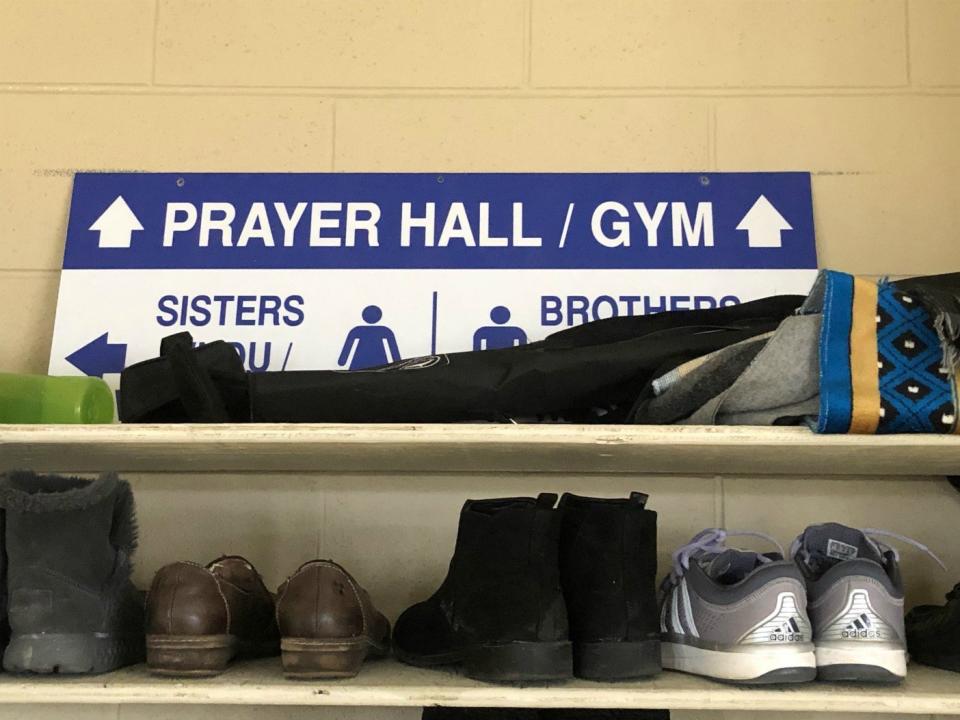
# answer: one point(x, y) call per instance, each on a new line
point(124, 533)
point(26, 491)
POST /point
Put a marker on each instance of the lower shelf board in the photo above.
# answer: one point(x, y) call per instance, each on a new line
point(388, 683)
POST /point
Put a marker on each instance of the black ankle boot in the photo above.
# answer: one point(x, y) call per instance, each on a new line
point(72, 606)
point(608, 570)
point(500, 610)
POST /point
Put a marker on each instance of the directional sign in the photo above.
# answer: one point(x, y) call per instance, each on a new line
point(352, 270)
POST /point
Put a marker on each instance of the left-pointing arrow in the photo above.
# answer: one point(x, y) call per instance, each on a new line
point(99, 356)
point(116, 225)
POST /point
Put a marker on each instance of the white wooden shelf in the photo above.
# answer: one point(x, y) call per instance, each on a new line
point(470, 448)
point(388, 683)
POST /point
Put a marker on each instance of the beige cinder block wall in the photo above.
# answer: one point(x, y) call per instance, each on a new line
point(863, 93)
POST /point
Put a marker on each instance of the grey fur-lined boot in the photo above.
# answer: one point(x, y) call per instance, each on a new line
point(72, 606)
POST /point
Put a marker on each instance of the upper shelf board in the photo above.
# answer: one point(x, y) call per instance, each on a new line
point(633, 449)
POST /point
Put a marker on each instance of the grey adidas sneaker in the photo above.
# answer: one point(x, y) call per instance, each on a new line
point(735, 615)
point(855, 600)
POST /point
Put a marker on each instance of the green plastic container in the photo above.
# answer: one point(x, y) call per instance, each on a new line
point(32, 399)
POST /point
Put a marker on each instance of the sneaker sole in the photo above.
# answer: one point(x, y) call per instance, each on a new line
point(759, 665)
point(861, 662)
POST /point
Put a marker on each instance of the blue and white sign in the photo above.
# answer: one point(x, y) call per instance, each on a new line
point(351, 270)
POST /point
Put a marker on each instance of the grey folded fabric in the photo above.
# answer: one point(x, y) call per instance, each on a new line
point(771, 379)
point(780, 386)
point(688, 387)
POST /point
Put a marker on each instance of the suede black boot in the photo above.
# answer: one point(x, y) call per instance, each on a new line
point(72, 607)
point(500, 611)
point(608, 570)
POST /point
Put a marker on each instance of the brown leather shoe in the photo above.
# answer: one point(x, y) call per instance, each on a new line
point(328, 623)
point(200, 618)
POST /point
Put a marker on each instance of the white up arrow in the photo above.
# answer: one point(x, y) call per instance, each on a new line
point(763, 223)
point(116, 225)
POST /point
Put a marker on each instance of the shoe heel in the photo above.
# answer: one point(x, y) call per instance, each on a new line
point(861, 662)
point(190, 656)
point(615, 660)
point(307, 658)
point(517, 662)
point(71, 653)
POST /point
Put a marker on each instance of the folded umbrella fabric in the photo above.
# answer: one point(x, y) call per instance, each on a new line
point(590, 374)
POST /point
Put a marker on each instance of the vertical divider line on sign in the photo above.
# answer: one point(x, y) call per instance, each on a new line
point(433, 324)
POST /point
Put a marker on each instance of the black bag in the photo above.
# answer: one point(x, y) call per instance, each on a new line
point(186, 384)
point(592, 373)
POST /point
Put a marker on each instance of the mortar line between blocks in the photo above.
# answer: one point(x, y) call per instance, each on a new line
point(322, 530)
point(906, 40)
point(528, 46)
point(156, 40)
point(451, 93)
point(719, 502)
point(13, 272)
point(333, 135)
point(713, 152)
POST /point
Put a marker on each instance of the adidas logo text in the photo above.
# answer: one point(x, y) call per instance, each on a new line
point(861, 629)
point(861, 635)
point(787, 632)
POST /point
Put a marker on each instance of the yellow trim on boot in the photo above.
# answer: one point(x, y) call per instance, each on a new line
point(864, 373)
